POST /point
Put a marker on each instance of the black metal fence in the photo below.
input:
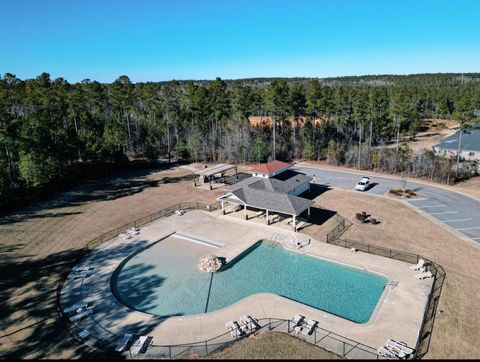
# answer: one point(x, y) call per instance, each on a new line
point(425, 333)
point(73, 329)
point(321, 337)
point(339, 229)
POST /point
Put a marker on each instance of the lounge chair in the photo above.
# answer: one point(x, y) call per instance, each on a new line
point(418, 265)
point(125, 236)
point(75, 307)
point(402, 346)
point(384, 352)
point(141, 345)
point(133, 232)
point(77, 275)
point(295, 323)
point(83, 268)
point(123, 343)
point(424, 275)
point(297, 320)
point(234, 328)
point(249, 322)
point(396, 351)
point(83, 334)
point(85, 313)
point(179, 212)
point(309, 327)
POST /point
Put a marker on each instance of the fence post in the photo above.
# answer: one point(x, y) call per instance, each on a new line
point(343, 354)
point(169, 352)
point(206, 349)
point(269, 324)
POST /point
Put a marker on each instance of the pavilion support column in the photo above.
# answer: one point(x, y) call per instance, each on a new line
point(268, 223)
point(194, 183)
point(294, 223)
point(210, 181)
point(223, 209)
point(236, 173)
point(245, 208)
point(309, 213)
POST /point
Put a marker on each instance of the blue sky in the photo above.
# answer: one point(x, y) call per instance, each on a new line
point(202, 39)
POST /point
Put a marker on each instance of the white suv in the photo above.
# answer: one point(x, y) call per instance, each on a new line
point(363, 184)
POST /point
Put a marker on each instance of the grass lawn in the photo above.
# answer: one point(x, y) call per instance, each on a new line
point(271, 345)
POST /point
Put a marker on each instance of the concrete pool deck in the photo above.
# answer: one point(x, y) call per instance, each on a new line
point(398, 315)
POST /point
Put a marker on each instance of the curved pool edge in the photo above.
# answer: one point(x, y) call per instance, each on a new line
point(387, 315)
point(238, 257)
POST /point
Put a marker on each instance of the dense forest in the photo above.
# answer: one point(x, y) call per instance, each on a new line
point(51, 129)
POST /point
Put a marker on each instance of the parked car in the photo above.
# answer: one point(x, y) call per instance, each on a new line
point(363, 184)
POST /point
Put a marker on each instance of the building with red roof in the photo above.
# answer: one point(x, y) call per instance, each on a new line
point(269, 169)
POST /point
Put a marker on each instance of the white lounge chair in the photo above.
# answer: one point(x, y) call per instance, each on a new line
point(75, 307)
point(77, 275)
point(402, 346)
point(83, 268)
point(179, 212)
point(418, 265)
point(297, 320)
point(125, 236)
point(85, 313)
point(424, 275)
point(397, 352)
point(309, 327)
point(133, 232)
point(123, 343)
point(384, 352)
point(234, 328)
point(140, 345)
point(249, 322)
point(83, 334)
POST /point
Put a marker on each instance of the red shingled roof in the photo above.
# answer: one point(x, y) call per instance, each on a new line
point(270, 167)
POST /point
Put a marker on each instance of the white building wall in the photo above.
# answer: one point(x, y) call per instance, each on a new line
point(465, 154)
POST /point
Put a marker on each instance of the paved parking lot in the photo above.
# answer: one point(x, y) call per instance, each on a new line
point(455, 210)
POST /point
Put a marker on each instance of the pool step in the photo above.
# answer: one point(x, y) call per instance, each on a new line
point(197, 240)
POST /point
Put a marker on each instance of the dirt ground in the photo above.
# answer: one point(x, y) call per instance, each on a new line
point(39, 242)
point(456, 329)
point(272, 345)
point(470, 187)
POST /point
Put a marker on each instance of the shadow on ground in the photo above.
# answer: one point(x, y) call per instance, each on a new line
point(29, 321)
point(102, 189)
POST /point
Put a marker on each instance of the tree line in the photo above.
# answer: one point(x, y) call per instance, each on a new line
point(50, 129)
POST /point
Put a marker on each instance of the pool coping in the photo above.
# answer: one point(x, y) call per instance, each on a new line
point(115, 274)
point(259, 296)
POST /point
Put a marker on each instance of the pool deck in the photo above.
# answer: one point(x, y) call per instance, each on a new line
point(398, 314)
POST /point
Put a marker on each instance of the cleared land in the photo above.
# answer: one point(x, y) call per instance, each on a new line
point(456, 333)
point(272, 345)
point(39, 242)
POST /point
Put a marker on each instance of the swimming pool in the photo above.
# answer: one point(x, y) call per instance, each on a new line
point(164, 280)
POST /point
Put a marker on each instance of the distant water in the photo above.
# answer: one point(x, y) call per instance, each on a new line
point(164, 280)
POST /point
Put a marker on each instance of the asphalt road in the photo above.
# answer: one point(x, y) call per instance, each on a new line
point(459, 212)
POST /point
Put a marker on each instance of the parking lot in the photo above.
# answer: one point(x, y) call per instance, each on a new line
point(454, 210)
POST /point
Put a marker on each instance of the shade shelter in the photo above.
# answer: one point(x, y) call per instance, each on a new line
point(209, 174)
point(268, 201)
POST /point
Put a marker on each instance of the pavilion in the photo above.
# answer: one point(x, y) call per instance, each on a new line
point(208, 174)
point(273, 188)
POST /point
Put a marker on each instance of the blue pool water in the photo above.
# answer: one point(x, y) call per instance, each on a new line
point(164, 280)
